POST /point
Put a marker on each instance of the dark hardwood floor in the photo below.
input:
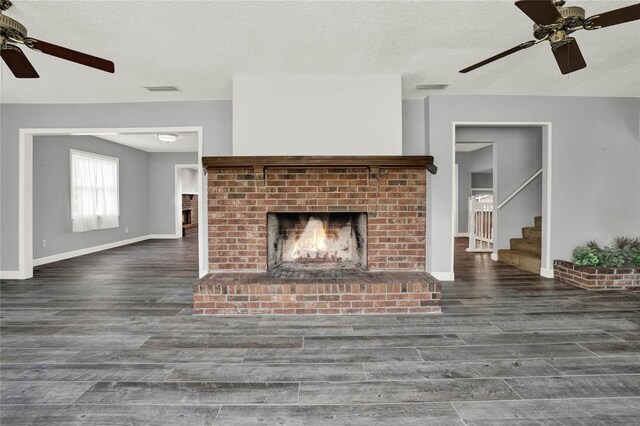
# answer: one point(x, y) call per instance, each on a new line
point(109, 338)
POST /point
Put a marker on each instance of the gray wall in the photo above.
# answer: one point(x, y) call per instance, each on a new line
point(596, 150)
point(162, 172)
point(517, 155)
point(190, 179)
point(595, 155)
point(413, 127)
point(213, 116)
point(51, 194)
point(482, 180)
point(481, 159)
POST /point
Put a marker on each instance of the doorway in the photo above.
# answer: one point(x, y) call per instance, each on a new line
point(187, 200)
point(510, 184)
point(26, 260)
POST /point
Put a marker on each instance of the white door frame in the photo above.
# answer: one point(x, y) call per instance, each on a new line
point(456, 195)
point(546, 267)
point(25, 188)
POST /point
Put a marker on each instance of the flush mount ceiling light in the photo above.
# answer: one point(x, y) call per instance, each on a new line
point(167, 137)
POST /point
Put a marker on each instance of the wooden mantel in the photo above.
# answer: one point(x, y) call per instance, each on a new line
point(375, 161)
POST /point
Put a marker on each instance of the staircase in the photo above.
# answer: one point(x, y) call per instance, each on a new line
point(525, 252)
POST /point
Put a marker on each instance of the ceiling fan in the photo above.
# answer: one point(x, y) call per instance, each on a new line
point(554, 23)
point(13, 32)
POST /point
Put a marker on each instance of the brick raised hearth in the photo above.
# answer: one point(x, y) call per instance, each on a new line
point(293, 292)
point(389, 194)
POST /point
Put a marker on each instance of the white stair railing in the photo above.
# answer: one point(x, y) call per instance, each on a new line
point(480, 223)
point(520, 188)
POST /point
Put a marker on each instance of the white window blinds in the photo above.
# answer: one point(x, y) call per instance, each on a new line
point(94, 191)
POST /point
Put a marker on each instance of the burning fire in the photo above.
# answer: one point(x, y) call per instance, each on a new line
point(313, 242)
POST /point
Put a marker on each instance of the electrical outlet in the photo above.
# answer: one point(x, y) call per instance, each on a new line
point(126, 230)
point(44, 243)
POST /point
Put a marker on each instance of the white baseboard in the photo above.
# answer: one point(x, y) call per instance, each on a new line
point(462, 234)
point(88, 250)
point(547, 273)
point(443, 276)
point(163, 236)
point(10, 275)
point(494, 256)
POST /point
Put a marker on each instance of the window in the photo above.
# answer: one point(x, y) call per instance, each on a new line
point(94, 191)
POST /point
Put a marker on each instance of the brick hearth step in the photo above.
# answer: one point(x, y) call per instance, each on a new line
point(350, 292)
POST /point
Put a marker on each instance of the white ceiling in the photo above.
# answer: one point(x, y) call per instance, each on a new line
point(470, 146)
point(186, 142)
point(199, 45)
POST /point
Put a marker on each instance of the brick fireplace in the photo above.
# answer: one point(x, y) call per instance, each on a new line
point(290, 234)
point(189, 215)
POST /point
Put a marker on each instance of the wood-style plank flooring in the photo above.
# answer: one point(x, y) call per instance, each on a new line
point(108, 338)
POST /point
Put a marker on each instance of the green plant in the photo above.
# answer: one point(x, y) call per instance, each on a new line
point(612, 257)
point(630, 247)
point(625, 251)
point(586, 256)
point(593, 245)
point(627, 243)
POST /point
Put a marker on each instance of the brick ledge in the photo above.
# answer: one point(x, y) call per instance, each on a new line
point(597, 278)
point(356, 293)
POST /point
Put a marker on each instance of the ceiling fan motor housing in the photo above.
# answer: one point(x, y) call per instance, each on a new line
point(572, 20)
point(11, 29)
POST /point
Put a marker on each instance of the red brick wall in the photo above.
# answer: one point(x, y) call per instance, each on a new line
point(394, 198)
point(190, 202)
point(597, 278)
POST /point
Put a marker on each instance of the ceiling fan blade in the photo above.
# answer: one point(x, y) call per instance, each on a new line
point(18, 62)
point(519, 47)
point(569, 57)
point(70, 55)
point(613, 17)
point(542, 12)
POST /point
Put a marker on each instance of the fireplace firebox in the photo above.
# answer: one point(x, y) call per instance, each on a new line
point(317, 240)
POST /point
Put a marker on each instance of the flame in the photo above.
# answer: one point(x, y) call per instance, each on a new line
point(313, 239)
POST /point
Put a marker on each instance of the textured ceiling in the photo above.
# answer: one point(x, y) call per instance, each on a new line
point(186, 142)
point(199, 45)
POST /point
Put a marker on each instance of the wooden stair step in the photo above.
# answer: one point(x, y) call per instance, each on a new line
point(528, 246)
point(538, 222)
point(532, 233)
point(520, 260)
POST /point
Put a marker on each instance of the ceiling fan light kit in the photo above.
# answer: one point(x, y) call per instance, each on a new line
point(554, 23)
point(13, 32)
